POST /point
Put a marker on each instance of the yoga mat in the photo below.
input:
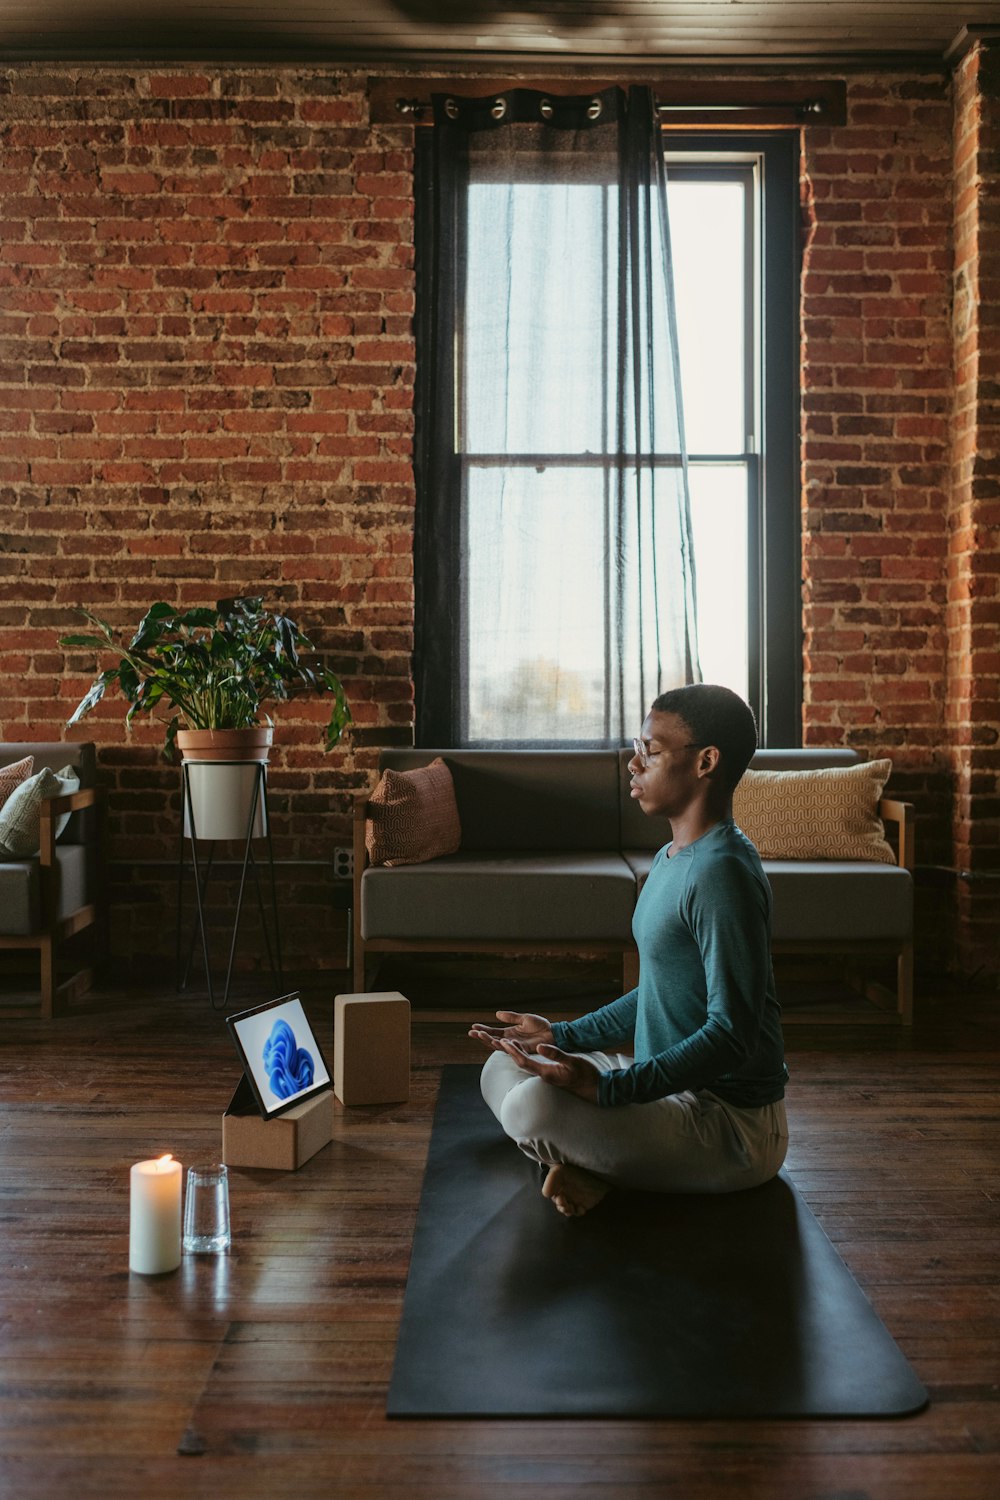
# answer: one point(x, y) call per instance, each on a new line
point(652, 1305)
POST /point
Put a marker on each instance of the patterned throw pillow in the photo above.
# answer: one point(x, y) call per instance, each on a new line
point(413, 816)
point(11, 776)
point(828, 814)
point(21, 814)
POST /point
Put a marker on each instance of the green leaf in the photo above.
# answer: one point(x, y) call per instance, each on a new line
point(241, 613)
point(128, 679)
point(93, 696)
point(287, 634)
point(102, 625)
point(197, 619)
point(151, 626)
point(94, 641)
point(170, 746)
point(341, 715)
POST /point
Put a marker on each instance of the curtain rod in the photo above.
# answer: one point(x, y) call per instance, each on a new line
point(681, 103)
point(814, 107)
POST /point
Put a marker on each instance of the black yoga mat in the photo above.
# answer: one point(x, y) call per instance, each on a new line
point(650, 1306)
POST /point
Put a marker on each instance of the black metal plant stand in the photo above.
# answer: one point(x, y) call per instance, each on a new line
point(202, 874)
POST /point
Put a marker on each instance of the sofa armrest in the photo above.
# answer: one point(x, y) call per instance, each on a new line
point(360, 852)
point(50, 810)
point(900, 813)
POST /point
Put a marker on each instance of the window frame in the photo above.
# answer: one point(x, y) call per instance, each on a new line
point(774, 584)
point(771, 457)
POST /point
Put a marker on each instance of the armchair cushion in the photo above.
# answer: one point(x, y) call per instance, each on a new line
point(21, 814)
point(20, 890)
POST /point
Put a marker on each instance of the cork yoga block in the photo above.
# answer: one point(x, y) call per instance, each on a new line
point(371, 1048)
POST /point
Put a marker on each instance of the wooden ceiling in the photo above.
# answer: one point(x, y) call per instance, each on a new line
point(538, 32)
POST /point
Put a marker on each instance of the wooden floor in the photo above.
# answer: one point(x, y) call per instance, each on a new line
point(264, 1372)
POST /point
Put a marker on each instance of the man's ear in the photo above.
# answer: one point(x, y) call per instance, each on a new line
point(709, 761)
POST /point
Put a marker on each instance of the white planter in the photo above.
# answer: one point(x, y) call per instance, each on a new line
point(221, 797)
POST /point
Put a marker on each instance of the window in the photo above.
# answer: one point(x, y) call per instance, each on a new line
point(732, 209)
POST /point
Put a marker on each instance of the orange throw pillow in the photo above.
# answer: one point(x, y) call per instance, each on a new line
point(11, 776)
point(413, 816)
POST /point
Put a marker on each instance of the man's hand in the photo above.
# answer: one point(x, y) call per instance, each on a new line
point(564, 1070)
point(528, 1031)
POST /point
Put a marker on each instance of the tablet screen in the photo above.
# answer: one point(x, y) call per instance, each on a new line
point(281, 1056)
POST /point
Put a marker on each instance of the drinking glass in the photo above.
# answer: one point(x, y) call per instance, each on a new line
point(206, 1210)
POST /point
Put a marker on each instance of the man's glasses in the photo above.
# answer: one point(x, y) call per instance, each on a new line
point(646, 757)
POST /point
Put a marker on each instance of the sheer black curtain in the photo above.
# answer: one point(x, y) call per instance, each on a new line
point(555, 580)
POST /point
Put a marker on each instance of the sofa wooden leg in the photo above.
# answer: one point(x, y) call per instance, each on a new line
point(48, 978)
point(904, 984)
point(630, 970)
point(359, 966)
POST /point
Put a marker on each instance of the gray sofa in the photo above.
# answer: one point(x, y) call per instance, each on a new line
point(554, 852)
point(48, 898)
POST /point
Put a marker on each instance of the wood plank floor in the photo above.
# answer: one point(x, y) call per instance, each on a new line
point(264, 1372)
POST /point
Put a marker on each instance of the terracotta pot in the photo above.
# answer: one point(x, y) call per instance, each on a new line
point(222, 795)
point(225, 744)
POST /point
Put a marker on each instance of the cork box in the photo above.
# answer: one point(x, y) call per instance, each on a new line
point(371, 1048)
point(282, 1144)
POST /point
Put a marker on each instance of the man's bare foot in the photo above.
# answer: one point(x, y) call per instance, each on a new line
point(572, 1190)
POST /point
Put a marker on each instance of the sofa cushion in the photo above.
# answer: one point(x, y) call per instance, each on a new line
point(412, 816)
point(826, 899)
point(836, 900)
point(640, 862)
point(13, 775)
point(20, 816)
point(19, 889)
point(827, 813)
point(486, 896)
point(529, 800)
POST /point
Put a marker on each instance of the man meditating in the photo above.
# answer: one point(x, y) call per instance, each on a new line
point(678, 1086)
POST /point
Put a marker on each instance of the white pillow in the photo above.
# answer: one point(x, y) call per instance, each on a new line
point(21, 814)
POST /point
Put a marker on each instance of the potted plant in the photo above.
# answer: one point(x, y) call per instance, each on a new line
point(216, 669)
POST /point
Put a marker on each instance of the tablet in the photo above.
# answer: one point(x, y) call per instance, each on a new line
point(281, 1057)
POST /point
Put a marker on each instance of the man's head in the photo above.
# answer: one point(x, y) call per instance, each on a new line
point(715, 716)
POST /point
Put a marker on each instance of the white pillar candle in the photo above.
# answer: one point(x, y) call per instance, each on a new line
point(154, 1243)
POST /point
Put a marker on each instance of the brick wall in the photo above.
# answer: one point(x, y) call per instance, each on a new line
point(877, 375)
point(206, 366)
point(877, 393)
point(206, 370)
point(973, 555)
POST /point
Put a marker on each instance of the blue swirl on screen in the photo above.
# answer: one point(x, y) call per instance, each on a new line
point(289, 1068)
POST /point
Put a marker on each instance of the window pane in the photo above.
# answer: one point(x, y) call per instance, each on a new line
point(719, 523)
point(545, 607)
point(535, 316)
point(707, 239)
point(535, 604)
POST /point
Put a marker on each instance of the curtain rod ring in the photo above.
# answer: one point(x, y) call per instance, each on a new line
point(594, 108)
point(498, 108)
point(545, 109)
point(451, 108)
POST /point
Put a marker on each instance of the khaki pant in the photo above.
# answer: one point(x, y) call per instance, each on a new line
point(685, 1143)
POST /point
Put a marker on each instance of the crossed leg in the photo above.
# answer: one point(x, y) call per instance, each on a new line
point(684, 1143)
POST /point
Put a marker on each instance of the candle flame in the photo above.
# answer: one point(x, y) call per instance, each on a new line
point(161, 1161)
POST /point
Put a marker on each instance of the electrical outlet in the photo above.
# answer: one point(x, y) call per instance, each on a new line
point(343, 864)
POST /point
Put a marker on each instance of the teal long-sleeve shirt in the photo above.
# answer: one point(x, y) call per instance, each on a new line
point(705, 1013)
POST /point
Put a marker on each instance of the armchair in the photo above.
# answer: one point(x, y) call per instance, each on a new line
point(49, 897)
